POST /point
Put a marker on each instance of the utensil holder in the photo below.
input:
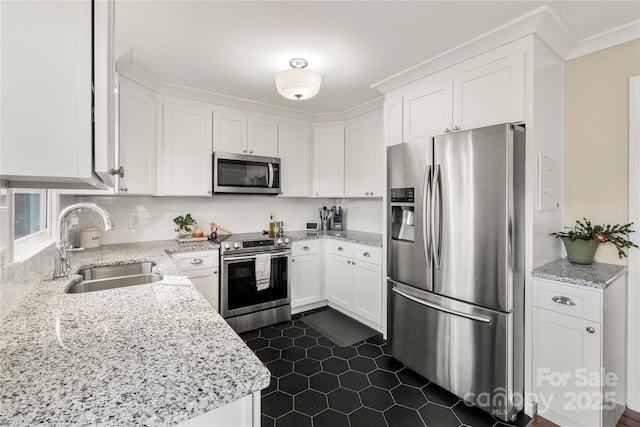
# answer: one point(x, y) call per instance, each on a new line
point(326, 224)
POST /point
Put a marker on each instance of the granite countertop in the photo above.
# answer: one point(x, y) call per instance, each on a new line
point(155, 354)
point(597, 275)
point(361, 237)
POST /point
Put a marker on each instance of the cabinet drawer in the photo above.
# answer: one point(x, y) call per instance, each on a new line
point(340, 247)
point(196, 260)
point(305, 247)
point(367, 254)
point(571, 300)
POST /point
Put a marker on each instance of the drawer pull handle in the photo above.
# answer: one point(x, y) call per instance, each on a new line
point(305, 248)
point(367, 254)
point(196, 261)
point(340, 248)
point(563, 300)
point(590, 330)
point(215, 272)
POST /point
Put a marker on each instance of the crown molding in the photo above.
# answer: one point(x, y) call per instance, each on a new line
point(606, 39)
point(541, 21)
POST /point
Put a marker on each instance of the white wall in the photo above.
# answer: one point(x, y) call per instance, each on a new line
point(240, 214)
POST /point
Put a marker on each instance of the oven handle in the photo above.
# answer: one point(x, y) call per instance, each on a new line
point(273, 255)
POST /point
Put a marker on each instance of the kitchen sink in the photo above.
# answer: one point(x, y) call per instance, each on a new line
point(114, 276)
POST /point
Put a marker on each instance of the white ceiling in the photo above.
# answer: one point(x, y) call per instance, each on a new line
point(235, 48)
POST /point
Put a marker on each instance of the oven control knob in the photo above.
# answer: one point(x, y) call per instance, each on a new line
point(236, 245)
point(226, 246)
point(286, 241)
point(279, 241)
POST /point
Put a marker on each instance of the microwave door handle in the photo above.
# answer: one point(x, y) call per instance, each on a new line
point(270, 175)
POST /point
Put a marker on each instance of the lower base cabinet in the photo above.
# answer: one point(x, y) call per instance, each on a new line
point(202, 269)
point(579, 353)
point(244, 412)
point(304, 274)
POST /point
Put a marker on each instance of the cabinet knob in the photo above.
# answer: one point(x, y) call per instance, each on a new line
point(590, 329)
point(123, 188)
point(340, 248)
point(250, 151)
point(293, 260)
point(563, 300)
point(215, 272)
point(367, 254)
point(348, 262)
point(447, 130)
point(244, 151)
point(366, 194)
point(456, 128)
point(371, 193)
point(209, 192)
point(353, 263)
point(119, 171)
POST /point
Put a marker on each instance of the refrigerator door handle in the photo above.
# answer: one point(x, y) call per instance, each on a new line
point(436, 195)
point(420, 301)
point(426, 195)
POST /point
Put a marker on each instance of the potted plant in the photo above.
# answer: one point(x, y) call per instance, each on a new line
point(583, 240)
point(184, 224)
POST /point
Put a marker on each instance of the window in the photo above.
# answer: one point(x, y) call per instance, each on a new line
point(32, 229)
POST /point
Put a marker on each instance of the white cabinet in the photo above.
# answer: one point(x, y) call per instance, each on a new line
point(295, 148)
point(187, 153)
point(363, 159)
point(491, 94)
point(328, 162)
point(202, 269)
point(579, 342)
point(427, 110)
point(46, 136)
point(305, 273)
point(354, 280)
point(137, 139)
point(481, 96)
point(242, 134)
point(392, 111)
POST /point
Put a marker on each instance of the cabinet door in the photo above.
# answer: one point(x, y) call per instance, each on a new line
point(263, 137)
point(392, 119)
point(207, 282)
point(46, 93)
point(137, 141)
point(563, 347)
point(328, 151)
point(305, 280)
point(296, 160)
point(367, 280)
point(187, 150)
point(230, 133)
point(340, 288)
point(427, 110)
point(358, 160)
point(489, 95)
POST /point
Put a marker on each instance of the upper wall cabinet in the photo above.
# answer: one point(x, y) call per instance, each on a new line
point(46, 104)
point(187, 154)
point(489, 94)
point(328, 162)
point(392, 133)
point(137, 141)
point(363, 159)
point(295, 147)
point(242, 134)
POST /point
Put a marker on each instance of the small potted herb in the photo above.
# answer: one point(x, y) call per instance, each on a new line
point(583, 240)
point(184, 224)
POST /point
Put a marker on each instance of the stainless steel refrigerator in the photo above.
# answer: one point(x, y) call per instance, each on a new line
point(456, 260)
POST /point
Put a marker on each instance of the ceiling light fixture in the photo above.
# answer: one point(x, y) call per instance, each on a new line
point(298, 83)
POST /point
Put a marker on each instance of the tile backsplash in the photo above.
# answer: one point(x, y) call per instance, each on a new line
point(240, 214)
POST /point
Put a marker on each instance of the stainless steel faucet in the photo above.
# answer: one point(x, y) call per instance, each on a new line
point(62, 260)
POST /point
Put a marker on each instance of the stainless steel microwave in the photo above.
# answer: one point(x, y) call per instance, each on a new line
point(245, 174)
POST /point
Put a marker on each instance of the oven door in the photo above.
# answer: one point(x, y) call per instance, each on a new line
point(241, 173)
point(239, 293)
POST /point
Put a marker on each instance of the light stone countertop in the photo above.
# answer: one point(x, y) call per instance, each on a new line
point(597, 275)
point(153, 355)
point(360, 237)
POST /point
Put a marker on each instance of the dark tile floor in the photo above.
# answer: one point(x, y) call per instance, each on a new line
point(315, 383)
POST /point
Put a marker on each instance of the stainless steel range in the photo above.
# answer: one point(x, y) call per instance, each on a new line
point(254, 288)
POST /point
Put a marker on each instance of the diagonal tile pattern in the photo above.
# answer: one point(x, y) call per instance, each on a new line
point(315, 383)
